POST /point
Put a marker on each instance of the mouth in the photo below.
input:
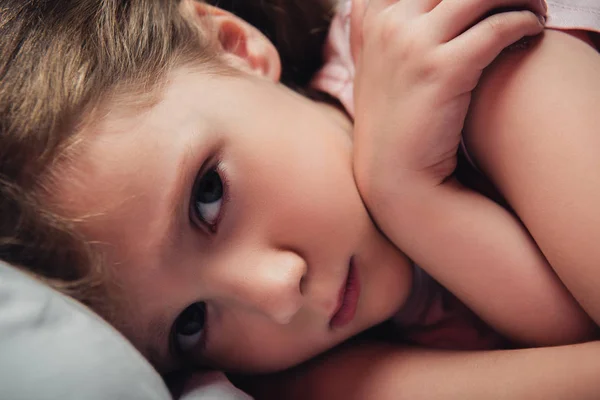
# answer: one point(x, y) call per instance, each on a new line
point(348, 299)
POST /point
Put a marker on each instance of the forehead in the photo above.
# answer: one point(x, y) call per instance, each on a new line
point(133, 140)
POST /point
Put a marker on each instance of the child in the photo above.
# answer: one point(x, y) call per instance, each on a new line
point(166, 157)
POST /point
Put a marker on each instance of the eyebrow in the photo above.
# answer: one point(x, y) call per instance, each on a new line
point(157, 330)
point(178, 192)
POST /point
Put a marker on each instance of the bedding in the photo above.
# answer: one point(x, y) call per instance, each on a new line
point(53, 348)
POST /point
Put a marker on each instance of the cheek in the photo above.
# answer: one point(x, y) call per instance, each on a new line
point(316, 174)
point(300, 156)
point(297, 179)
point(248, 343)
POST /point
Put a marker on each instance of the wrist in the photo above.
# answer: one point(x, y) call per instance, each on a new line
point(382, 189)
point(382, 176)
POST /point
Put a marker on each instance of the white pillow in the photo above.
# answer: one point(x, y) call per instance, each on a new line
point(51, 347)
point(212, 386)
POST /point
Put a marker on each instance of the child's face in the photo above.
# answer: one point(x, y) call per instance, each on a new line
point(266, 257)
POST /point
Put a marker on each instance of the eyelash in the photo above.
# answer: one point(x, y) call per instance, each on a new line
point(183, 358)
point(217, 167)
point(209, 166)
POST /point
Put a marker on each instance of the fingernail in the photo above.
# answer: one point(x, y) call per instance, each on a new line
point(544, 6)
point(542, 19)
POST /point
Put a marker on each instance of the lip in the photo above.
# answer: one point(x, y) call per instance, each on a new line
point(348, 299)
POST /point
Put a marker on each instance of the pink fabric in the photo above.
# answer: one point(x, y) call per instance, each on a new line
point(336, 77)
point(574, 14)
point(433, 317)
point(449, 324)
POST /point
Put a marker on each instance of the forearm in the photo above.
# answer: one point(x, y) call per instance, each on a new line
point(482, 253)
point(384, 371)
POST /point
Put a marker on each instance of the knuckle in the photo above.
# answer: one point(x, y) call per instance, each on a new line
point(397, 41)
point(390, 30)
point(432, 69)
point(437, 67)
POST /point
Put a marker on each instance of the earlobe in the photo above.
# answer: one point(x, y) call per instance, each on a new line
point(244, 45)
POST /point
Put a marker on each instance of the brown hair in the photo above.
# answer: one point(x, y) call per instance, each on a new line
point(58, 59)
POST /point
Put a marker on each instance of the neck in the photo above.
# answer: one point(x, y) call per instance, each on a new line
point(338, 113)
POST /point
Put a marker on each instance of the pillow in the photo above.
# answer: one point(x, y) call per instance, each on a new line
point(52, 347)
point(211, 386)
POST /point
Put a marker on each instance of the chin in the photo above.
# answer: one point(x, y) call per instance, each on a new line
point(385, 302)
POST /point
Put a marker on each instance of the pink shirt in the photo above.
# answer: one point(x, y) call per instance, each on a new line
point(432, 316)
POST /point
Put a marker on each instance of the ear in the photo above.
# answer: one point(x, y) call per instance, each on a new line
point(243, 45)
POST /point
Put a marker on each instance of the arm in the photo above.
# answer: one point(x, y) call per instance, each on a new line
point(384, 371)
point(409, 115)
point(487, 259)
point(534, 130)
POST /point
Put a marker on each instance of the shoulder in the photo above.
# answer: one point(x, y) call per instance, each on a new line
point(527, 92)
point(557, 58)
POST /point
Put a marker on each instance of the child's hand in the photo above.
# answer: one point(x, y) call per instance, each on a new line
point(417, 63)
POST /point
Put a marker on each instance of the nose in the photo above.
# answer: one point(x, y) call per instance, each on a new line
point(271, 283)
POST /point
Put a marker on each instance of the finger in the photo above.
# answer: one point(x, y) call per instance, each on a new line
point(371, 11)
point(428, 5)
point(411, 7)
point(357, 15)
point(415, 7)
point(453, 17)
point(481, 44)
point(379, 5)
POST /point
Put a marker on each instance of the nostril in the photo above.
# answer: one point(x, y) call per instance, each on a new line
point(303, 284)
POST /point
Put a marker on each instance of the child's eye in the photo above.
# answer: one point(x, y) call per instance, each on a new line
point(207, 198)
point(189, 330)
